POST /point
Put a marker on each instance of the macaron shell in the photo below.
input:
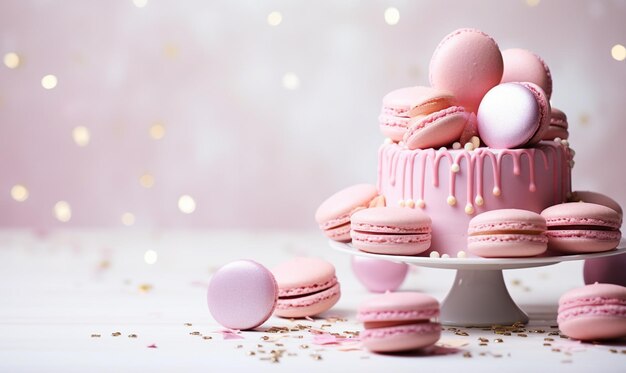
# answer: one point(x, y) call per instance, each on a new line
point(544, 112)
point(389, 244)
point(507, 245)
point(437, 129)
point(553, 132)
point(468, 63)
point(507, 220)
point(401, 338)
point(581, 214)
point(399, 306)
point(509, 116)
point(594, 327)
point(379, 275)
point(393, 127)
point(598, 199)
point(591, 292)
point(582, 241)
point(411, 101)
point(309, 305)
point(522, 65)
point(303, 275)
point(391, 220)
point(337, 209)
point(242, 295)
point(339, 234)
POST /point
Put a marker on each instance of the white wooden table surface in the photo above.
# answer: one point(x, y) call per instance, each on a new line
point(58, 289)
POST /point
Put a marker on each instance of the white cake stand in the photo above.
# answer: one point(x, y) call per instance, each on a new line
point(479, 296)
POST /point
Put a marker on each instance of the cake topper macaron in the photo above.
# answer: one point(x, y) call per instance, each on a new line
point(440, 128)
point(468, 63)
point(521, 65)
point(513, 115)
point(558, 126)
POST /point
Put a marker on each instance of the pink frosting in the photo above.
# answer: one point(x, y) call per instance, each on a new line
point(529, 179)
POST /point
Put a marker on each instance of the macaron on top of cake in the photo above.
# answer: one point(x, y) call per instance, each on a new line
point(521, 65)
point(507, 233)
point(391, 230)
point(512, 115)
point(593, 312)
point(399, 321)
point(437, 129)
point(581, 227)
point(468, 63)
point(558, 126)
point(401, 105)
point(333, 215)
point(307, 286)
point(242, 295)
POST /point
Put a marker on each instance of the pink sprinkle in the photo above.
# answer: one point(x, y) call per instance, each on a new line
point(326, 339)
point(152, 346)
point(231, 334)
point(309, 318)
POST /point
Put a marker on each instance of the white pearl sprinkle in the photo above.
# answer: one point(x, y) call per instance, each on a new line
point(451, 200)
point(401, 203)
point(420, 203)
point(443, 149)
point(461, 254)
point(469, 146)
point(456, 146)
point(445, 256)
point(469, 209)
point(564, 142)
point(409, 203)
point(479, 201)
point(388, 140)
point(475, 140)
point(434, 254)
point(557, 139)
point(455, 168)
point(496, 191)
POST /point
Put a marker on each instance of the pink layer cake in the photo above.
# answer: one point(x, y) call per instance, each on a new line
point(451, 186)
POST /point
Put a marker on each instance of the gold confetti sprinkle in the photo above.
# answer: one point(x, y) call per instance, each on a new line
point(483, 354)
point(116, 334)
point(467, 354)
point(316, 356)
point(538, 331)
point(132, 336)
point(304, 347)
point(261, 351)
point(259, 346)
point(95, 336)
point(564, 336)
point(556, 350)
point(251, 353)
point(624, 351)
point(483, 344)
point(549, 339)
point(516, 282)
point(547, 344)
point(187, 324)
point(485, 340)
point(498, 340)
point(207, 337)
point(613, 350)
point(144, 288)
point(279, 345)
point(239, 346)
point(553, 333)
point(522, 335)
point(497, 355)
point(265, 338)
point(462, 334)
point(194, 333)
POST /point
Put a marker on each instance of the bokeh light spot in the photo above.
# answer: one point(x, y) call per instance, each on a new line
point(150, 256)
point(618, 52)
point(392, 16)
point(140, 3)
point(81, 135)
point(49, 81)
point(274, 18)
point(19, 193)
point(186, 204)
point(146, 180)
point(532, 2)
point(12, 60)
point(62, 211)
point(157, 131)
point(291, 81)
point(128, 219)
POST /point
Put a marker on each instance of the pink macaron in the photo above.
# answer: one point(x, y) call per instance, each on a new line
point(521, 65)
point(377, 275)
point(558, 126)
point(306, 287)
point(391, 230)
point(513, 115)
point(397, 322)
point(467, 63)
point(400, 105)
point(333, 215)
point(593, 312)
point(581, 227)
point(242, 295)
point(597, 198)
point(440, 128)
point(507, 233)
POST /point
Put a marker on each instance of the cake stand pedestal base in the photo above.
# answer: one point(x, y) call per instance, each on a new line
point(480, 298)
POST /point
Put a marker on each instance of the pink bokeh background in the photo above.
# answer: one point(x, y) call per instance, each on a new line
point(261, 122)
